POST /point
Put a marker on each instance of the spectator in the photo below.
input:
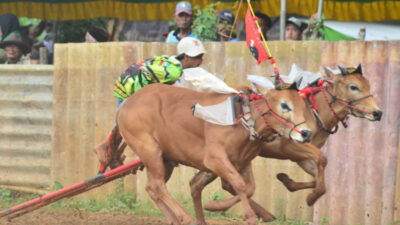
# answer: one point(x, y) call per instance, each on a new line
point(265, 23)
point(97, 34)
point(159, 69)
point(48, 42)
point(225, 20)
point(14, 47)
point(293, 29)
point(184, 19)
point(9, 23)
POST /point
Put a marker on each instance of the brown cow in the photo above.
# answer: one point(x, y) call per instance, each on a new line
point(158, 125)
point(352, 96)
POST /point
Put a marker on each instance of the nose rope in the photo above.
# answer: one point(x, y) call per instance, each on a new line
point(354, 107)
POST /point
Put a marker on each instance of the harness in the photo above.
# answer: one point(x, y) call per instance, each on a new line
point(309, 94)
point(246, 120)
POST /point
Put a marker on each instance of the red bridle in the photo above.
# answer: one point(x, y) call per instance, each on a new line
point(253, 97)
point(311, 91)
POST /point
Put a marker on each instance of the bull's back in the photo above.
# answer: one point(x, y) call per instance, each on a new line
point(170, 99)
point(165, 113)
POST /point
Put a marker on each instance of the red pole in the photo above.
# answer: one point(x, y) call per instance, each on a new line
point(74, 189)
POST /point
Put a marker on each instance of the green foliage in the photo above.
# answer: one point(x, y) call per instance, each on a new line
point(218, 196)
point(10, 198)
point(75, 30)
point(281, 216)
point(57, 186)
point(205, 24)
point(121, 201)
point(320, 24)
point(6, 195)
point(324, 221)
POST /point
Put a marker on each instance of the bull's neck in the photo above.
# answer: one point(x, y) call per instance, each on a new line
point(327, 116)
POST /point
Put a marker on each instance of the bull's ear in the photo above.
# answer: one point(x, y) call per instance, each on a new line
point(358, 70)
point(343, 71)
point(298, 83)
point(294, 86)
point(329, 73)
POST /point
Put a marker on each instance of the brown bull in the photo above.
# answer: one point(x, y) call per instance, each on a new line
point(158, 125)
point(352, 96)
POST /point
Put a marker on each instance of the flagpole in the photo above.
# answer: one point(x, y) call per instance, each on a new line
point(234, 22)
point(320, 6)
point(276, 72)
point(282, 20)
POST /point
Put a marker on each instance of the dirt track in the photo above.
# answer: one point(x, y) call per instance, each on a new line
point(45, 217)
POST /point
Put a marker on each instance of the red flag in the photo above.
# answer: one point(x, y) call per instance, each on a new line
point(253, 38)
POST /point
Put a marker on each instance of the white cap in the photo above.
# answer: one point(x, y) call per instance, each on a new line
point(191, 47)
point(295, 21)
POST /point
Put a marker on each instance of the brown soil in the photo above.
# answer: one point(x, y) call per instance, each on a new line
point(50, 217)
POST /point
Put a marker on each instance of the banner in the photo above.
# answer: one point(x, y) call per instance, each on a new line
point(253, 38)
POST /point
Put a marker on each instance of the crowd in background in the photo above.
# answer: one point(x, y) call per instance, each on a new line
point(24, 40)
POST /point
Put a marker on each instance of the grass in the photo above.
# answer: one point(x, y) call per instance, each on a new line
point(118, 201)
point(125, 203)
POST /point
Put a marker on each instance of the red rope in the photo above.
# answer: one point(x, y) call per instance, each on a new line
point(352, 106)
point(274, 115)
point(330, 105)
point(320, 84)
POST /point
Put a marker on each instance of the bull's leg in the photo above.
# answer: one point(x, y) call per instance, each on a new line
point(217, 161)
point(308, 166)
point(225, 205)
point(313, 161)
point(320, 188)
point(116, 148)
point(197, 184)
point(151, 156)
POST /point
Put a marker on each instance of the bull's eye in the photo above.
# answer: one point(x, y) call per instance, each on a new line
point(353, 87)
point(285, 107)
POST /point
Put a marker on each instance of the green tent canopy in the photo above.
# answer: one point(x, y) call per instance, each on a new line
point(334, 35)
point(341, 10)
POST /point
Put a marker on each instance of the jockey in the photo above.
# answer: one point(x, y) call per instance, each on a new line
point(159, 69)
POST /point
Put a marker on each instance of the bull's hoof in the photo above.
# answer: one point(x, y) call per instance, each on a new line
point(311, 199)
point(117, 162)
point(266, 217)
point(251, 221)
point(285, 179)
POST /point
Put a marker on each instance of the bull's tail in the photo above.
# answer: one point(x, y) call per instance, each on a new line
point(114, 150)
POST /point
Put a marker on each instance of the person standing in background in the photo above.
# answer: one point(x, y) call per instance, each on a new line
point(14, 47)
point(184, 19)
point(225, 20)
point(264, 21)
point(293, 29)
